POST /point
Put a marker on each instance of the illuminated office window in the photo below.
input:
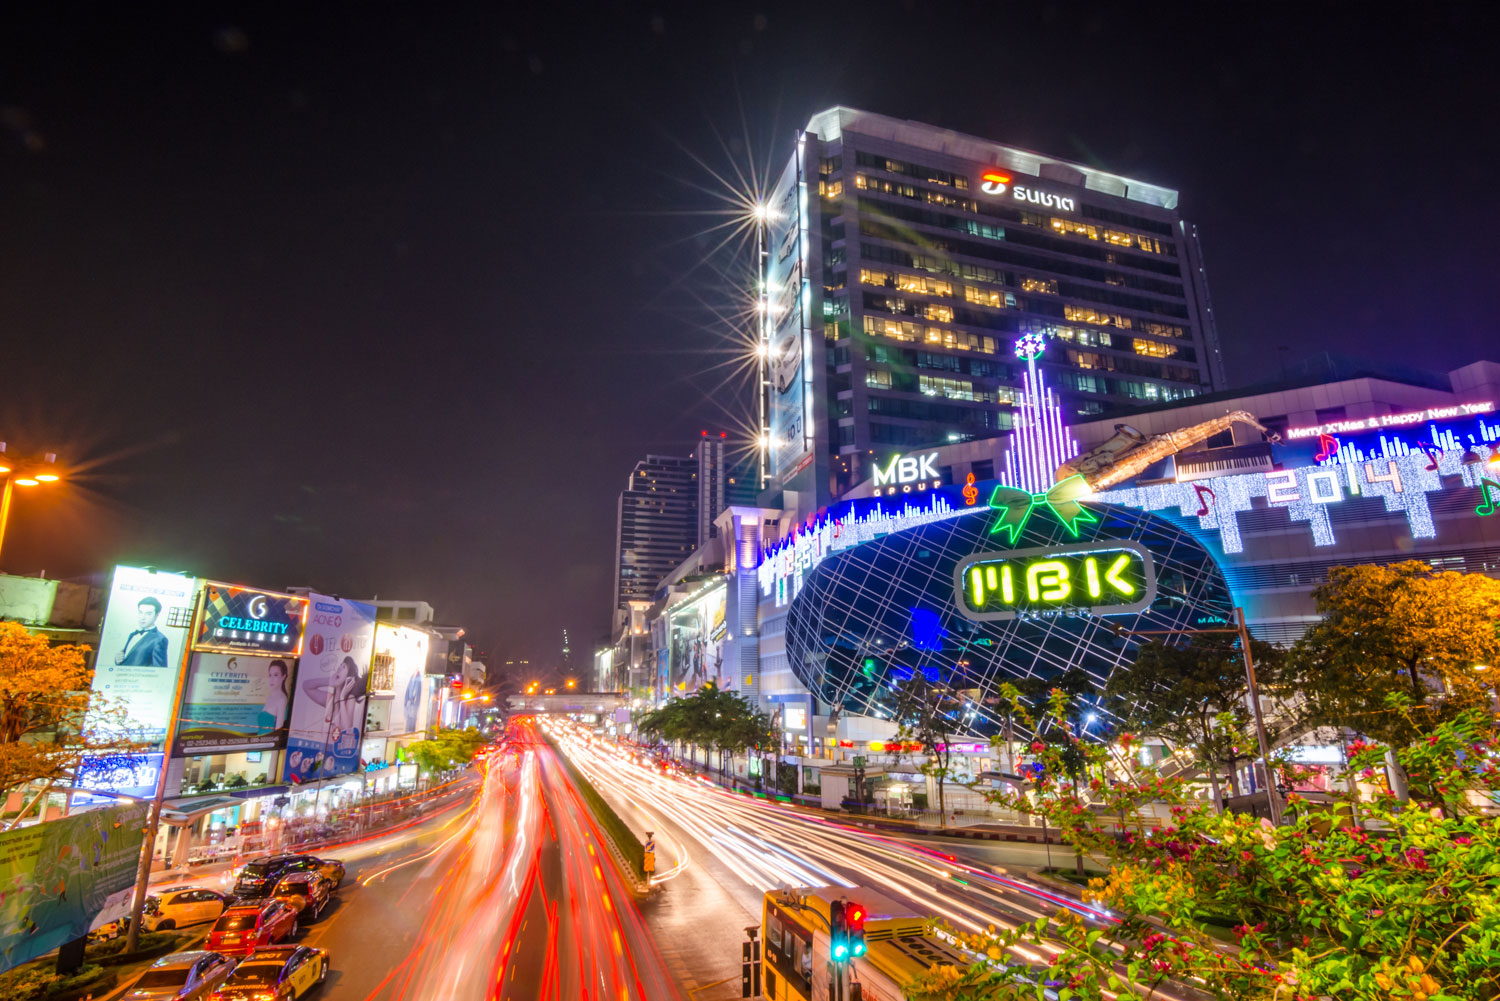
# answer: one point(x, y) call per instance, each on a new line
point(1154, 349)
point(878, 379)
point(941, 313)
point(1048, 285)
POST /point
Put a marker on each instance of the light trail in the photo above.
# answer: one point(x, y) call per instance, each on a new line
point(768, 846)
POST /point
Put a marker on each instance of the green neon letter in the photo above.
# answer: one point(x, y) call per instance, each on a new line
point(1007, 585)
point(1113, 575)
point(976, 586)
point(1091, 573)
point(1047, 581)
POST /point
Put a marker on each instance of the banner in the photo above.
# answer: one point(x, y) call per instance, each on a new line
point(59, 875)
point(242, 619)
point(133, 775)
point(234, 703)
point(399, 667)
point(328, 714)
point(140, 644)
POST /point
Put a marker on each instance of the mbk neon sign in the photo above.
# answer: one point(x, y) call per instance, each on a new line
point(906, 470)
point(1103, 578)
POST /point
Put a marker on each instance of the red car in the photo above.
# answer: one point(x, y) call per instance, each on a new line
point(241, 930)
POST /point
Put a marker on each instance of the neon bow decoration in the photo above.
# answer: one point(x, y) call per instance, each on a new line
point(1015, 506)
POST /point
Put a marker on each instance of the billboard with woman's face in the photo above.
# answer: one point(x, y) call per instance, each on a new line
point(328, 713)
point(235, 703)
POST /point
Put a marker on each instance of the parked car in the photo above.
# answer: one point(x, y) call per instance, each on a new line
point(308, 892)
point(181, 976)
point(260, 875)
point(182, 906)
point(280, 972)
point(245, 928)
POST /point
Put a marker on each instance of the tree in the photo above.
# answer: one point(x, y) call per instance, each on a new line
point(445, 748)
point(722, 721)
point(1403, 911)
point(50, 719)
point(924, 715)
point(1196, 696)
point(1401, 629)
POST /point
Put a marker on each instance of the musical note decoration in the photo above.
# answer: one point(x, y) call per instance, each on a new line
point(1488, 506)
point(1432, 455)
point(1328, 447)
point(971, 492)
point(1204, 493)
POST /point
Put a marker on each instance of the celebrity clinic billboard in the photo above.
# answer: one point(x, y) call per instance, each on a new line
point(328, 714)
point(244, 620)
point(235, 702)
point(145, 626)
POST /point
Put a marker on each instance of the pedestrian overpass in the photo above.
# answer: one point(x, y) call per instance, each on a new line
point(568, 702)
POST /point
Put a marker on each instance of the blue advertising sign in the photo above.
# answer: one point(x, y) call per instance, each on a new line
point(133, 775)
point(244, 620)
point(328, 713)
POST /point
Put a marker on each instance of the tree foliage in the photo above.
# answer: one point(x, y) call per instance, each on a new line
point(924, 715)
point(445, 748)
point(1196, 696)
point(1402, 903)
point(50, 719)
point(1401, 629)
point(710, 717)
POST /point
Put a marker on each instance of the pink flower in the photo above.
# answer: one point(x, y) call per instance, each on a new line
point(1463, 839)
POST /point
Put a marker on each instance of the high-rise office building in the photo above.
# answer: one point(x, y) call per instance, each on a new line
point(657, 524)
point(723, 479)
point(903, 262)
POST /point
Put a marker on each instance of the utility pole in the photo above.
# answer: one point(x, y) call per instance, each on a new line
point(1243, 632)
point(153, 816)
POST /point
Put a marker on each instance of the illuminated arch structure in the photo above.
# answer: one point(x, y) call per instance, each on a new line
point(873, 615)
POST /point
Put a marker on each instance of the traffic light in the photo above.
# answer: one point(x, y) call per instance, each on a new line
point(838, 931)
point(854, 917)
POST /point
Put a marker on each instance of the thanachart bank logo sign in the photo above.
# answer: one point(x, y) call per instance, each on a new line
point(908, 472)
point(1100, 578)
point(998, 182)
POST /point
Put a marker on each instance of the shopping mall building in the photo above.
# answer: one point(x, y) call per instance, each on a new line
point(973, 564)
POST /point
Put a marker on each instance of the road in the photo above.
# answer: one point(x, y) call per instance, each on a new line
point(504, 894)
point(734, 848)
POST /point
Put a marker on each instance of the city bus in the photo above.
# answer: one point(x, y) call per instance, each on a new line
point(795, 961)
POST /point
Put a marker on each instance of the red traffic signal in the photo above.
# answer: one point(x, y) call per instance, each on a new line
point(854, 917)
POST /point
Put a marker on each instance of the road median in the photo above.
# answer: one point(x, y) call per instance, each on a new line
point(624, 845)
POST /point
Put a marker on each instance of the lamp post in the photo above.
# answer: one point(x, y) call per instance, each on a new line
point(1243, 633)
point(23, 473)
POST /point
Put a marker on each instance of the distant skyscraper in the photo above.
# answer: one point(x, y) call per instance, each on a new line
point(657, 524)
point(903, 262)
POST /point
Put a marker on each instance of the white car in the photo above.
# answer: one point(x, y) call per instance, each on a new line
point(180, 906)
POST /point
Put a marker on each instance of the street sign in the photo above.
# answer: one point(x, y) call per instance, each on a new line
point(859, 761)
point(648, 862)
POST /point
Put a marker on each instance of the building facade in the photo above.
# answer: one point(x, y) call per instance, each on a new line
point(973, 579)
point(902, 262)
point(656, 525)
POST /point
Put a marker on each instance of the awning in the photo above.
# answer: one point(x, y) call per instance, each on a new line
point(181, 812)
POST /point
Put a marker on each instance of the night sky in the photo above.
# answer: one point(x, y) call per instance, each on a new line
point(388, 299)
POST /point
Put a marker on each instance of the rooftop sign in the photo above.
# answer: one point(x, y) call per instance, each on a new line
point(998, 182)
point(244, 620)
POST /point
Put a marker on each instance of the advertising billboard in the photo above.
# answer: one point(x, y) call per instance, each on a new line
point(244, 620)
point(234, 702)
point(145, 625)
point(399, 667)
point(59, 875)
point(697, 645)
point(133, 775)
point(787, 321)
point(328, 713)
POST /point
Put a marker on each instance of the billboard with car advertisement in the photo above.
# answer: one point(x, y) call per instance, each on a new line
point(786, 321)
point(235, 702)
point(60, 874)
point(328, 713)
point(146, 623)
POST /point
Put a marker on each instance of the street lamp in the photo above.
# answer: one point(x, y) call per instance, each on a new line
point(23, 473)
